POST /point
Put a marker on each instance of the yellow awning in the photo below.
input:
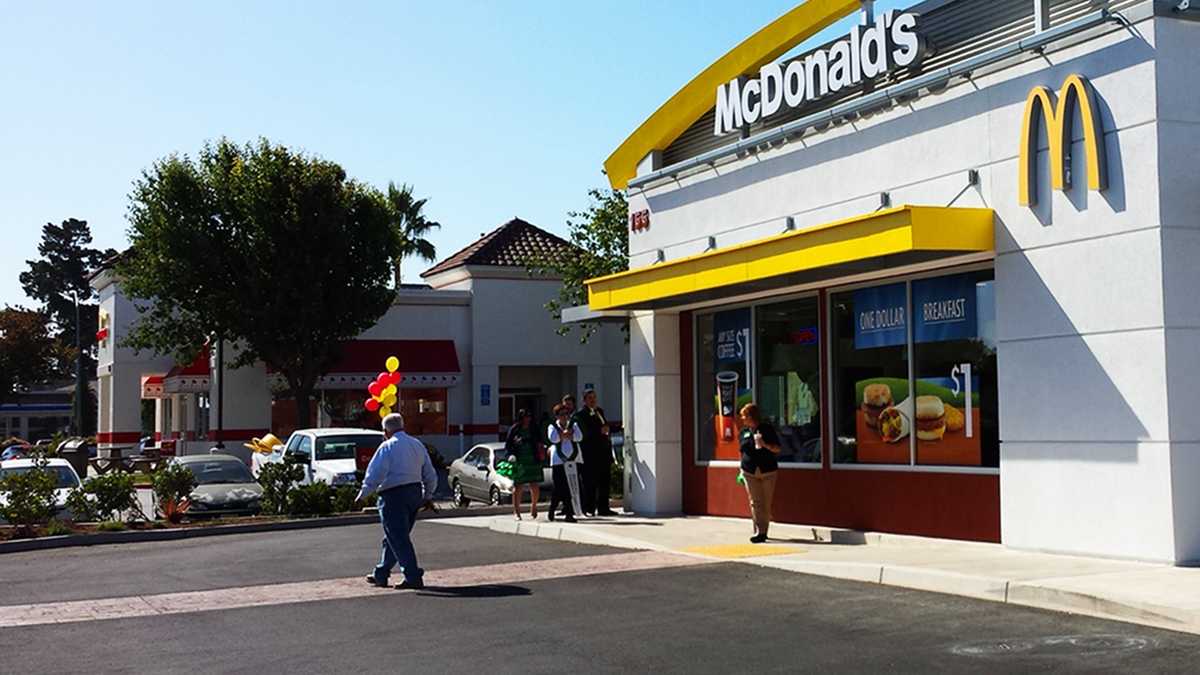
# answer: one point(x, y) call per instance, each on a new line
point(872, 242)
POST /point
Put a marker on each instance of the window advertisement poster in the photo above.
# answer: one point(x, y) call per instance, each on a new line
point(943, 412)
point(732, 386)
point(879, 317)
point(947, 411)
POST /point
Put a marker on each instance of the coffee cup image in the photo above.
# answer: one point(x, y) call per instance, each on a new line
point(727, 387)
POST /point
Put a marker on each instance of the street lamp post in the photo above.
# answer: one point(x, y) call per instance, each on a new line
point(80, 385)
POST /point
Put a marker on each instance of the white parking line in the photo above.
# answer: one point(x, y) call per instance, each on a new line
point(332, 589)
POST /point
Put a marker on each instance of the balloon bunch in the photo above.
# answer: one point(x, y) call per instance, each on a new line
point(384, 390)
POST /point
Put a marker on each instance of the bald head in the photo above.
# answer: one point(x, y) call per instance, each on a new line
point(393, 423)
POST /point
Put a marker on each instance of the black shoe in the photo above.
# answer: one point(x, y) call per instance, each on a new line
point(550, 515)
point(607, 512)
point(409, 585)
point(570, 519)
point(376, 582)
point(758, 539)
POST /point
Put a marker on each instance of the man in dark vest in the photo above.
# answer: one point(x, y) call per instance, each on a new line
point(597, 456)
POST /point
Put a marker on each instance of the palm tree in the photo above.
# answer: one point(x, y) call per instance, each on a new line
point(412, 226)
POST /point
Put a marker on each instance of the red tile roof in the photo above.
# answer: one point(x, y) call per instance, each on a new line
point(512, 244)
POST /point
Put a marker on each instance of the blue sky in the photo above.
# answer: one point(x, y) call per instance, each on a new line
point(491, 109)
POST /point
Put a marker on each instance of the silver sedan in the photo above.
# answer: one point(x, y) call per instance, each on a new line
point(473, 477)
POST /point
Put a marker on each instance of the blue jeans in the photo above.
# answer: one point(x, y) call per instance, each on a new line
point(398, 513)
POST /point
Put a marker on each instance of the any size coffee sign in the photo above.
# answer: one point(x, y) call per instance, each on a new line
point(868, 52)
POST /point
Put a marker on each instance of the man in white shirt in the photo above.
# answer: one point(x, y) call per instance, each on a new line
point(403, 475)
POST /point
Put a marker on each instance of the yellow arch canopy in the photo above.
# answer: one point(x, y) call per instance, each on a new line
point(690, 103)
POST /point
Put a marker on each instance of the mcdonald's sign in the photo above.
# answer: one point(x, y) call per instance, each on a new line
point(1058, 121)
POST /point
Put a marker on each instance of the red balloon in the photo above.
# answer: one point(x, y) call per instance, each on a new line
point(395, 378)
point(385, 378)
point(375, 388)
point(371, 404)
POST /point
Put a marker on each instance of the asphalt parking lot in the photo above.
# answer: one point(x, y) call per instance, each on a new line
point(712, 617)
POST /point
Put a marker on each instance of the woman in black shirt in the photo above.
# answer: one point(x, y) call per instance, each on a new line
point(760, 465)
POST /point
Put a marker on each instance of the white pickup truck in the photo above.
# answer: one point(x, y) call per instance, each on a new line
point(332, 456)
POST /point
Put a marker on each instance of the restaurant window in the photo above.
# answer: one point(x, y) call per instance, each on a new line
point(723, 384)
point(945, 413)
point(424, 411)
point(788, 375)
point(954, 343)
point(870, 375)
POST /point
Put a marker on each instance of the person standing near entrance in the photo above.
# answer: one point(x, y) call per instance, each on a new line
point(759, 444)
point(565, 458)
point(524, 447)
point(597, 456)
point(403, 475)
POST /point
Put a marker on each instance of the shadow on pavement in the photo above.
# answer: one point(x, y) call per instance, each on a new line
point(481, 591)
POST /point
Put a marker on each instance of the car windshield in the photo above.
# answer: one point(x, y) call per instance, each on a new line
point(64, 477)
point(209, 473)
point(343, 447)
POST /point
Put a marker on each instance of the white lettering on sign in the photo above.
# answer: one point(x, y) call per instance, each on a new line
point(869, 51)
point(940, 311)
point(881, 319)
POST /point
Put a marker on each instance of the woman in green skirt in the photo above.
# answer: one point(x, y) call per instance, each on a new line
point(525, 457)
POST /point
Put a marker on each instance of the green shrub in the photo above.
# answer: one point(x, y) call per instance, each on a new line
point(29, 497)
point(173, 485)
point(616, 480)
point(105, 497)
point(343, 498)
point(310, 500)
point(276, 481)
point(110, 526)
point(56, 528)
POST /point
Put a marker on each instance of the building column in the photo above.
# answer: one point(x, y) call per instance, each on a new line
point(161, 432)
point(656, 457)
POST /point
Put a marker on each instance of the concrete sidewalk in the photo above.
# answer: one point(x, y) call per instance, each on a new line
point(1155, 595)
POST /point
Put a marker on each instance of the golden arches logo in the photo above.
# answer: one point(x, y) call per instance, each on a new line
point(1059, 132)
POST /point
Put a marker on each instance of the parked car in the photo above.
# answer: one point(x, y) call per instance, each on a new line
point(224, 486)
point(65, 475)
point(13, 452)
point(473, 477)
point(327, 455)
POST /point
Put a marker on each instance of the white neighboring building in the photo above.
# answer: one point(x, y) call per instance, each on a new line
point(475, 344)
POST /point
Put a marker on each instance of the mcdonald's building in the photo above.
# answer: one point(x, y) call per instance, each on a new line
point(950, 253)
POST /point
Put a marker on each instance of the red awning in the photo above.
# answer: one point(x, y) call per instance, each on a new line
point(416, 356)
point(197, 368)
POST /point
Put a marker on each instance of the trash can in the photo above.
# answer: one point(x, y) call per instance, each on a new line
point(75, 451)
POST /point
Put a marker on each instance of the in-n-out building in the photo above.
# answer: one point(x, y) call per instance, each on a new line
point(950, 253)
point(475, 345)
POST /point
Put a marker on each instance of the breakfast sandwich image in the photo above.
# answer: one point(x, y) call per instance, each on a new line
point(930, 418)
point(876, 398)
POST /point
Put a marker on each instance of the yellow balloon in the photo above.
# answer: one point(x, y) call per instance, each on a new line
point(384, 411)
point(392, 364)
point(390, 401)
point(389, 390)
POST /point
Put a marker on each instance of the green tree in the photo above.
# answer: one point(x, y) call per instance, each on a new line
point(600, 235)
point(411, 225)
point(27, 351)
point(61, 273)
point(273, 250)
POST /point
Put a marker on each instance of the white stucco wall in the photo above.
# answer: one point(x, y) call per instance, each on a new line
point(1096, 311)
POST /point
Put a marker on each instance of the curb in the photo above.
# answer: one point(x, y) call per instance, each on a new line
point(174, 534)
point(993, 589)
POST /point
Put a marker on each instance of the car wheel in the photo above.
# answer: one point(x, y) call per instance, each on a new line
point(460, 500)
point(494, 496)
